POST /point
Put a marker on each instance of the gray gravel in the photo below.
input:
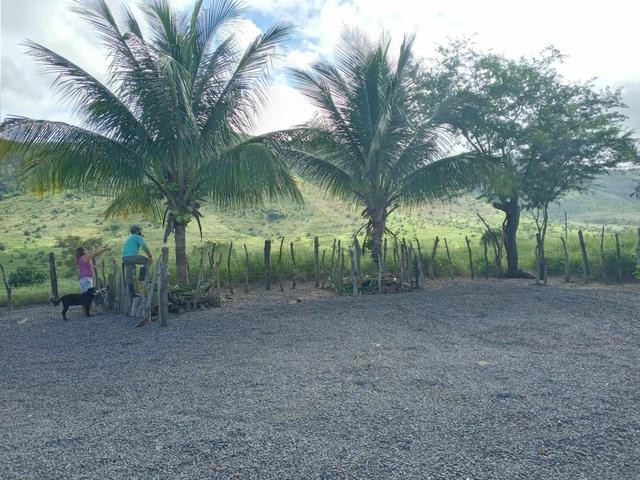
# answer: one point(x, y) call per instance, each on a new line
point(484, 380)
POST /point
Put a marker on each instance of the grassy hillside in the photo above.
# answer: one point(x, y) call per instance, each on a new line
point(33, 226)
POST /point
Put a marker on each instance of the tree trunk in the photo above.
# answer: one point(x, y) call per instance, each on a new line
point(511, 211)
point(379, 223)
point(181, 253)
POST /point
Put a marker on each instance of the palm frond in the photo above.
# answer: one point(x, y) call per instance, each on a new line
point(60, 156)
point(446, 177)
point(136, 199)
point(237, 101)
point(248, 173)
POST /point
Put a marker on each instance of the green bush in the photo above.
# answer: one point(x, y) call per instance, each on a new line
point(25, 276)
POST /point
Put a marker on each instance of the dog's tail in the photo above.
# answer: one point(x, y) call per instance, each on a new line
point(55, 301)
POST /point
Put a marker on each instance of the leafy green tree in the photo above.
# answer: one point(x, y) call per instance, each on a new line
point(166, 132)
point(550, 136)
point(577, 135)
point(369, 144)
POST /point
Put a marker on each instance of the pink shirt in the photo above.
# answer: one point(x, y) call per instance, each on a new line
point(85, 267)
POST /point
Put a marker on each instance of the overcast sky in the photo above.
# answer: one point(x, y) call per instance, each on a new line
point(599, 37)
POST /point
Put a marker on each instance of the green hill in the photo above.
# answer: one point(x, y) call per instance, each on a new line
point(33, 225)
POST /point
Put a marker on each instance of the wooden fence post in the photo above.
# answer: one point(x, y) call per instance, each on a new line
point(316, 262)
point(356, 246)
point(229, 268)
point(7, 288)
point(420, 265)
point(470, 257)
point(53, 275)
point(567, 276)
point(585, 259)
point(280, 273)
point(539, 271)
point(333, 255)
point(605, 278)
point(618, 259)
point(433, 258)
point(267, 264)
point(354, 272)
point(293, 268)
point(414, 266)
point(246, 269)
point(403, 265)
point(323, 266)
point(163, 289)
point(446, 247)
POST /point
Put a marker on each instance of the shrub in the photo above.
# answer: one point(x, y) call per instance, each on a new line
point(25, 276)
point(273, 215)
point(3, 247)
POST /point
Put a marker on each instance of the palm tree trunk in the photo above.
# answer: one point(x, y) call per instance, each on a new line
point(181, 253)
point(379, 225)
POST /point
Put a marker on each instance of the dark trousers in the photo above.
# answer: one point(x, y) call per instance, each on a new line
point(129, 267)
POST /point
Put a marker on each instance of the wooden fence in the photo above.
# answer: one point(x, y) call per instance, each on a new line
point(338, 266)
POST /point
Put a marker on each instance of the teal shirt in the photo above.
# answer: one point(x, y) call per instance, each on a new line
point(132, 246)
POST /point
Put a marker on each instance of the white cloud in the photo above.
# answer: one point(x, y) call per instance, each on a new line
point(597, 37)
point(286, 108)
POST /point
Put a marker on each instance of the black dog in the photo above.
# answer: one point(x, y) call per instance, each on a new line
point(83, 299)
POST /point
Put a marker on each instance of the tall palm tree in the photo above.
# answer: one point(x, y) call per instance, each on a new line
point(166, 131)
point(370, 144)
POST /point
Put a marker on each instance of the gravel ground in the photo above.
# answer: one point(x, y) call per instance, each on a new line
point(482, 380)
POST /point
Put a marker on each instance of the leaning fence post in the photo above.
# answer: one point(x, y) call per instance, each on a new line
point(163, 288)
point(267, 264)
point(473, 275)
point(585, 259)
point(53, 275)
point(316, 262)
point(446, 247)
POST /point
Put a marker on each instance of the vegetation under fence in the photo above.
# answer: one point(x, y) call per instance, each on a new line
point(235, 267)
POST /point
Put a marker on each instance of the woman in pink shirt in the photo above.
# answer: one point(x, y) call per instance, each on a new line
point(86, 272)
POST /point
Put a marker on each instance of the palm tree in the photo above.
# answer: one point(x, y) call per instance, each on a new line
point(166, 131)
point(370, 144)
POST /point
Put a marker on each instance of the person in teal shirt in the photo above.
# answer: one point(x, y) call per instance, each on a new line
point(131, 257)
